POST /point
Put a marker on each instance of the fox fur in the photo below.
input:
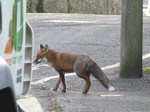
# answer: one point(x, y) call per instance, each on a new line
point(79, 63)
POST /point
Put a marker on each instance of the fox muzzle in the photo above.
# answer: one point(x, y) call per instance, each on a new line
point(37, 61)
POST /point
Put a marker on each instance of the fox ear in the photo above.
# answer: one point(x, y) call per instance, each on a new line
point(46, 48)
point(41, 46)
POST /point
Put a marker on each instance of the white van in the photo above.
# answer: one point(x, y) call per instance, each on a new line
point(16, 47)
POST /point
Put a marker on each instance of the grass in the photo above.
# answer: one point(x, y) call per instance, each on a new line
point(56, 107)
point(146, 69)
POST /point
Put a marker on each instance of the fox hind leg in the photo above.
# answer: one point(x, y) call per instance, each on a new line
point(87, 83)
point(80, 69)
point(86, 77)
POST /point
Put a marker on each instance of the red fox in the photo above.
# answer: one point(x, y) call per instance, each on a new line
point(81, 64)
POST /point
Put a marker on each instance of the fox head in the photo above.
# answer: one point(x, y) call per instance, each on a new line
point(41, 54)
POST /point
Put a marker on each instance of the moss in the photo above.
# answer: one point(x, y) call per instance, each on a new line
point(131, 67)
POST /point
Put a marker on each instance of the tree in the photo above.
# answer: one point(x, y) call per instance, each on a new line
point(131, 39)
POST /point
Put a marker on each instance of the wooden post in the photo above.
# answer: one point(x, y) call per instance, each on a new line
point(131, 39)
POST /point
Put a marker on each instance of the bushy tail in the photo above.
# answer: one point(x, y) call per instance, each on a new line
point(101, 76)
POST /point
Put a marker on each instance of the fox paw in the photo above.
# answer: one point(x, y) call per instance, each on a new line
point(84, 92)
point(63, 90)
point(54, 89)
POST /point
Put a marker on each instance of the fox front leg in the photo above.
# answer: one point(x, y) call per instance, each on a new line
point(62, 78)
point(57, 84)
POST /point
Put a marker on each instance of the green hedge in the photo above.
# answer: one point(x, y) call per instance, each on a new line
point(32, 6)
point(75, 6)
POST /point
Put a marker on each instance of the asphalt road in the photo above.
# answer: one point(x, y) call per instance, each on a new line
point(95, 35)
point(99, 37)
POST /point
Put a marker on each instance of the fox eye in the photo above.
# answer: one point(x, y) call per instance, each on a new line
point(39, 56)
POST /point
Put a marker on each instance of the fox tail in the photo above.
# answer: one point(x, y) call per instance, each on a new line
point(100, 76)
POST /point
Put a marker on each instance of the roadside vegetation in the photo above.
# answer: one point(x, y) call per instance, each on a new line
point(146, 69)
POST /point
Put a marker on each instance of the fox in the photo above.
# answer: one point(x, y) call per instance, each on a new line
point(82, 64)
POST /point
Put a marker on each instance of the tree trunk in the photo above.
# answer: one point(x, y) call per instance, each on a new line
point(131, 39)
